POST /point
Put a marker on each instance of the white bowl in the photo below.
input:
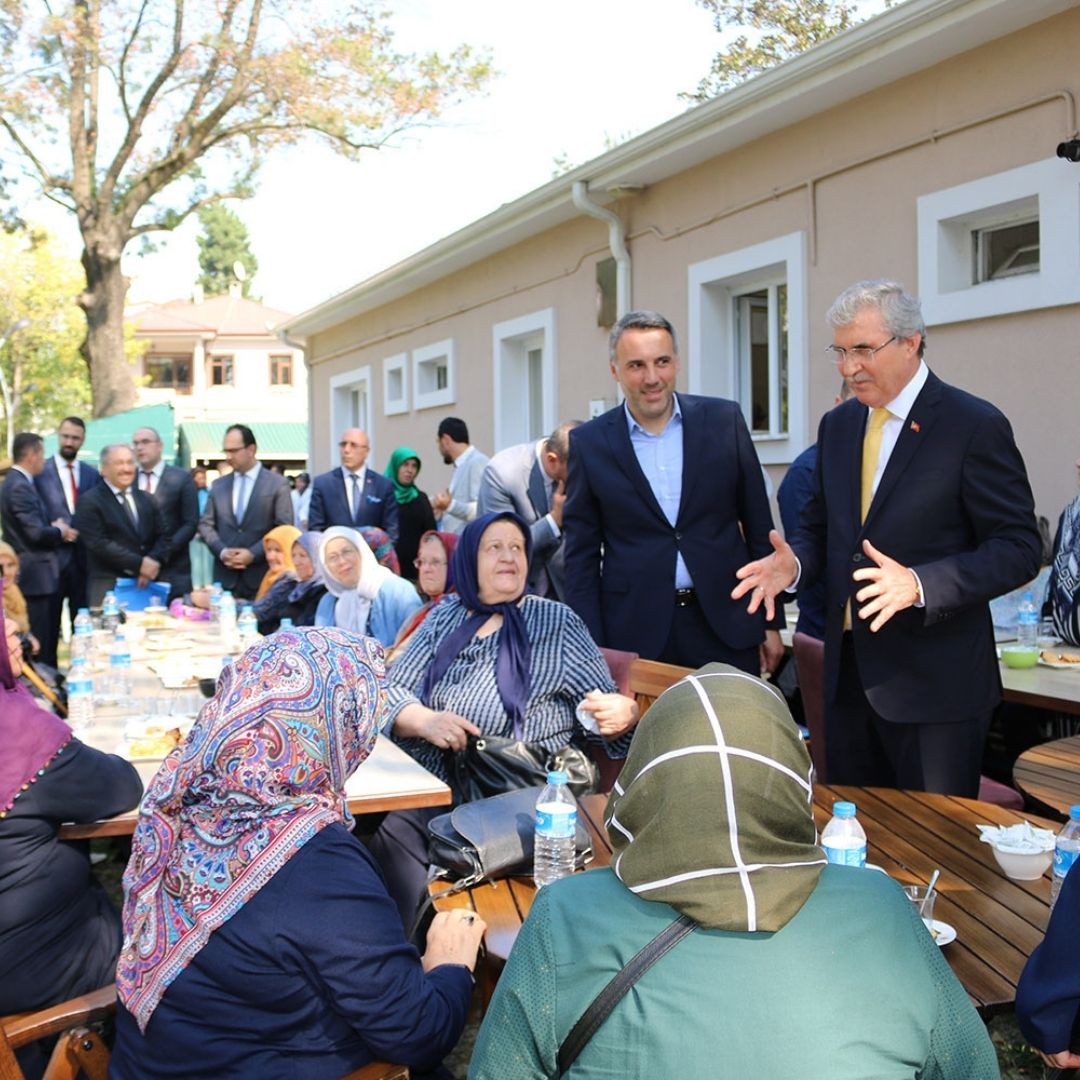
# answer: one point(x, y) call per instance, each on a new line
point(1023, 865)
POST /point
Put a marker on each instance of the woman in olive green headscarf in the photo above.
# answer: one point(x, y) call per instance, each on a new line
point(796, 967)
point(415, 516)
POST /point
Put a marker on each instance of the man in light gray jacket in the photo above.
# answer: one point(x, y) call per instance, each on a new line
point(456, 506)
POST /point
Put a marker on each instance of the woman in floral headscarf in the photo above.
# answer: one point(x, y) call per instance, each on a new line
point(258, 936)
point(795, 968)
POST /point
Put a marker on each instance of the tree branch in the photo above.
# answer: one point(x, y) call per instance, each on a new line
point(48, 179)
point(121, 81)
point(174, 222)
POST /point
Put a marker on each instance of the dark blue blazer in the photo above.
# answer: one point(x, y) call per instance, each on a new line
point(51, 491)
point(28, 530)
point(620, 548)
point(330, 504)
point(954, 505)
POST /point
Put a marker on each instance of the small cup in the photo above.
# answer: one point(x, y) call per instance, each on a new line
point(924, 902)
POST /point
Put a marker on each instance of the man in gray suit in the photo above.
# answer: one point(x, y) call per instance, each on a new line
point(530, 479)
point(456, 506)
point(243, 507)
point(174, 492)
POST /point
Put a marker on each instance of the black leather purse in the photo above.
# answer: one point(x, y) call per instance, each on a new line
point(494, 764)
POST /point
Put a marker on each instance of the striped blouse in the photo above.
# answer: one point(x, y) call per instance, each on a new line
point(565, 665)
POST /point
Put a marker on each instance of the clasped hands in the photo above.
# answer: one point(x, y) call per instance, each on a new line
point(237, 558)
point(890, 587)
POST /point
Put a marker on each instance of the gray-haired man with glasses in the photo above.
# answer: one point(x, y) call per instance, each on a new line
point(921, 514)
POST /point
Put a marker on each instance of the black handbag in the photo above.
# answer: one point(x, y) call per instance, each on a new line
point(491, 838)
point(493, 764)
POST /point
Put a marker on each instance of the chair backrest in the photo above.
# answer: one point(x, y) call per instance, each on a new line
point(809, 655)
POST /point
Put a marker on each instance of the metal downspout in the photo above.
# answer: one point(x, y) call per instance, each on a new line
point(616, 242)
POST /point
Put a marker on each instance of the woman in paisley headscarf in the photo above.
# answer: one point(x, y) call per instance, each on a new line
point(415, 516)
point(1063, 590)
point(795, 967)
point(258, 937)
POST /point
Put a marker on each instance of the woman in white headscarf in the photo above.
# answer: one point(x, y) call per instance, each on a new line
point(794, 967)
point(362, 595)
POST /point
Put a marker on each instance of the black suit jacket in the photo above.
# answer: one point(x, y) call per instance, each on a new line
point(26, 528)
point(178, 500)
point(330, 504)
point(954, 505)
point(51, 490)
point(620, 548)
point(114, 546)
point(268, 505)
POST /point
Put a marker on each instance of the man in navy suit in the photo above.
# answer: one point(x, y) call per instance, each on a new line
point(665, 500)
point(36, 539)
point(352, 494)
point(59, 484)
point(921, 514)
point(242, 508)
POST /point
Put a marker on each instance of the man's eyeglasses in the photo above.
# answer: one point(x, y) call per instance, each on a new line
point(861, 354)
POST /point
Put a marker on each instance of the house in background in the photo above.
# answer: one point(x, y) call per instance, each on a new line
point(218, 361)
point(919, 145)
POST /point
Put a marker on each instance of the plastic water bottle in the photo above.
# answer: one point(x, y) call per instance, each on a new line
point(1027, 623)
point(285, 624)
point(1065, 852)
point(248, 626)
point(82, 641)
point(556, 831)
point(227, 619)
point(80, 689)
point(843, 838)
point(110, 612)
point(216, 592)
point(120, 667)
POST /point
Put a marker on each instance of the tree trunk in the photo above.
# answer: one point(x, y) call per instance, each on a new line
point(112, 378)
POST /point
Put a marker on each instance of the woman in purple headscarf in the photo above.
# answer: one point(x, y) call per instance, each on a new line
point(59, 935)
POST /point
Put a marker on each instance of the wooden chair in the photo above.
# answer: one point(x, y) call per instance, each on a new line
point(80, 1050)
point(809, 655)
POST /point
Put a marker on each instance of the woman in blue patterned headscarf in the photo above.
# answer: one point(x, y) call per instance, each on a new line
point(258, 936)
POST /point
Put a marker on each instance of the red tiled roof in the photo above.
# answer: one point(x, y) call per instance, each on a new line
point(225, 316)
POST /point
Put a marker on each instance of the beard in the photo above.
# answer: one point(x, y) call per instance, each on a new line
point(68, 453)
point(447, 459)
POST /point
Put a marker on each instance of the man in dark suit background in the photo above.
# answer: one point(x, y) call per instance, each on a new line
point(243, 507)
point(59, 484)
point(352, 494)
point(174, 491)
point(530, 480)
point(36, 540)
point(665, 501)
point(121, 527)
point(921, 514)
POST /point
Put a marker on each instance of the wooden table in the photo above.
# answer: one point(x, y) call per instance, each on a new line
point(910, 834)
point(1054, 689)
point(1049, 774)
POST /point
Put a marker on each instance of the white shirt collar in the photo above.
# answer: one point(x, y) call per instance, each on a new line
point(19, 468)
point(252, 473)
point(676, 410)
point(360, 474)
point(157, 470)
point(115, 490)
point(61, 464)
point(901, 405)
point(463, 455)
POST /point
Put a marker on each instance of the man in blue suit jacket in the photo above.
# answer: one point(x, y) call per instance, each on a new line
point(665, 500)
point(914, 529)
point(353, 494)
point(60, 483)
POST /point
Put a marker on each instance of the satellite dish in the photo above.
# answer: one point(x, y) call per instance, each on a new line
point(239, 270)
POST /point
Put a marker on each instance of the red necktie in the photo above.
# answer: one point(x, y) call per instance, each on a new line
point(148, 487)
point(74, 485)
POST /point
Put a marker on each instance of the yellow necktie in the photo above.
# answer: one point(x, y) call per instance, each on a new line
point(871, 451)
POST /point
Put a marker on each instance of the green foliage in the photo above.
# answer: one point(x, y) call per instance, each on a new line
point(224, 242)
point(781, 29)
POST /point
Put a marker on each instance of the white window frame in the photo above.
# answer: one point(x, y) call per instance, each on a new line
point(509, 340)
point(424, 357)
point(948, 218)
point(713, 341)
point(342, 387)
point(395, 366)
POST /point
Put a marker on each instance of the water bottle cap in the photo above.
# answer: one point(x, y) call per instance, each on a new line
point(84, 611)
point(1074, 813)
point(286, 624)
point(557, 776)
point(843, 809)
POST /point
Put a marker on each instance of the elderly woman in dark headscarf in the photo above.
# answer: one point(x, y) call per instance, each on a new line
point(795, 968)
point(258, 936)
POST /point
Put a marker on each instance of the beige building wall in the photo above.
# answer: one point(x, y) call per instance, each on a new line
point(849, 180)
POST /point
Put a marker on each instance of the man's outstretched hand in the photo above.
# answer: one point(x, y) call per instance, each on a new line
point(764, 579)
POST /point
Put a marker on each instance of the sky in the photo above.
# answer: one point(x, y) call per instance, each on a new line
point(572, 74)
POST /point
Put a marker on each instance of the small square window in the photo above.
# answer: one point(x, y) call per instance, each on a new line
point(221, 371)
point(1005, 250)
point(395, 384)
point(281, 370)
point(433, 374)
point(169, 372)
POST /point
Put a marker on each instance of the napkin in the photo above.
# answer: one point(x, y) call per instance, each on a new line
point(1024, 838)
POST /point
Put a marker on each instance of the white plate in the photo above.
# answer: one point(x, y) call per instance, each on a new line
point(944, 934)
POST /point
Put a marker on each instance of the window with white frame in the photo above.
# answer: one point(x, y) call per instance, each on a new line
point(350, 405)
point(748, 339)
point(433, 374)
point(524, 354)
point(395, 384)
point(1000, 244)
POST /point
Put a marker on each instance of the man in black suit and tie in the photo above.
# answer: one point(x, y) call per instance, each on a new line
point(530, 480)
point(243, 507)
point(174, 491)
point(921, 513)
point(59, 484)
point(36, 540)
point(353, 494)
point(121, 527)
point(665, 500)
